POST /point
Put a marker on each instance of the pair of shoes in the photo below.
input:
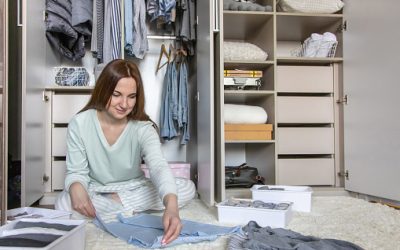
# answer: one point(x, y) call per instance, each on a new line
point(318, 45)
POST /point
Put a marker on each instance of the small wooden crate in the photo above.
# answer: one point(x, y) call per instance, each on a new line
point(248, 131)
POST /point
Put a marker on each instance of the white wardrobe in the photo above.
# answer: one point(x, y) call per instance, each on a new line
point(358, 134)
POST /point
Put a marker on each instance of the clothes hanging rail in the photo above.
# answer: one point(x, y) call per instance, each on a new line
point(161, 37)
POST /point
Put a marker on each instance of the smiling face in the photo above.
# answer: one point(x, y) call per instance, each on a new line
point(123, 99)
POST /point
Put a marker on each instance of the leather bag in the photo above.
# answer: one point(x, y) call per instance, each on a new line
point(242, 176)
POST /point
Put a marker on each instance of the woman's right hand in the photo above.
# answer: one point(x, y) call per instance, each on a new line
point(80, 200)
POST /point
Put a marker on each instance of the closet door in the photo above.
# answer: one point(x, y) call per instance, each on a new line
point(33, 106)
point(371, 83)
point(205, 104)
point(3, 110)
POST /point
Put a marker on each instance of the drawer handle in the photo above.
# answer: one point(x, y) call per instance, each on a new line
point(342, 101)
point(45, 178)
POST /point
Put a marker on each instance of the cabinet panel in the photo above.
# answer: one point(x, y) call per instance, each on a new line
point(304, 79)
point(311, 140)
point(66, 106)
point(58, 141)
point(318, 171)
point(305, 109)
point(58, 175)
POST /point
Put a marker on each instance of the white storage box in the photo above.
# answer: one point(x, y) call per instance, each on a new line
point(299, 195)
point(74, 239)
point(263, 216)
point(36, 213)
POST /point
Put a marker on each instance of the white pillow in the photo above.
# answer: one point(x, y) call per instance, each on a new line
point(311, 6)
point(237, 114)
point(243, 51)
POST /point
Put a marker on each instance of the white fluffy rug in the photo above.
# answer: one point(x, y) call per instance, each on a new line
point(369, 225)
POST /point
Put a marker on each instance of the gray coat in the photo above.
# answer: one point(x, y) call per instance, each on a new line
point(67, 39)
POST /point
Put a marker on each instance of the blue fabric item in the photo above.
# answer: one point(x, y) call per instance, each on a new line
point(183, 104)
point(167, 126)
point(146, 230)
point(161, 9)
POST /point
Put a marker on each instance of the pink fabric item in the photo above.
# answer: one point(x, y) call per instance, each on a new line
point(178, 170)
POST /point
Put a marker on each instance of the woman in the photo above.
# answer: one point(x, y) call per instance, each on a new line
point(106, 143)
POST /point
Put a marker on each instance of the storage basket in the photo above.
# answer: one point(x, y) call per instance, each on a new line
point(323, 45)
point(71, 76)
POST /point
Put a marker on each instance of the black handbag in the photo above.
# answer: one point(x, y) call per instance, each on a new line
point(242, 176)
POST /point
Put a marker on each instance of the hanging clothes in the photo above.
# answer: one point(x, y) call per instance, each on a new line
point(174, 114)
point(59, 30)
point(161, 10)
point(183, 103)
point(100, 28)
point(136, 43)
point(82, 14)
point(167, 125)
point(112, 30)
point(185, 25)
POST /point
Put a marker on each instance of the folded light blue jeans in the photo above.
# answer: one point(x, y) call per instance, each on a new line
point(145, 230)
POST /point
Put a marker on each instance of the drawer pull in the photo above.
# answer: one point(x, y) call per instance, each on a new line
point(342, 101)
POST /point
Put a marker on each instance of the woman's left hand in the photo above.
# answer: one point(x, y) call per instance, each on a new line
point(171, 221)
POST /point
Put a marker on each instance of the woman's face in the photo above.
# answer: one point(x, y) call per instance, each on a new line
point(123, 99)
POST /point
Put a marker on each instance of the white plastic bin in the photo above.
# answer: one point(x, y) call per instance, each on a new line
point(74, 239)
point(263, 216)
point(38, 213)
point(299, 195)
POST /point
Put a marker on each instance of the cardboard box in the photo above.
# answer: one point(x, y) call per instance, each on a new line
point(179, 169)
point(299, 195)
point(263, 216)
point(35, 212)
point(248, 131)
point(74, 239)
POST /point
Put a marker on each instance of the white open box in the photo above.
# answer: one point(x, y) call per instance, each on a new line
point(299, 195)
point(263, 216)
point(74, 239)
point(42, 213)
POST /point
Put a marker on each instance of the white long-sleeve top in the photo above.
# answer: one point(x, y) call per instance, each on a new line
point(93, 162)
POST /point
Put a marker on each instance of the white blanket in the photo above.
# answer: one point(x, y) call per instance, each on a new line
point(247, 114)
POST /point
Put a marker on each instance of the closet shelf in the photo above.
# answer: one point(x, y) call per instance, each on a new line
point(309, 15)
point(248, 13)
point(251, 65)
point(249, 93)
point(71, 89)
point(297, 27)
point(249, 141)
point(245, 25)
point(309, 60)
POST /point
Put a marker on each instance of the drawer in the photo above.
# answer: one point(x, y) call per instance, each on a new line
point(66, 106)
point(306, 140)
point(305, 109)
point(310, 171)
point(58, 170)
point(59, 142)
point(305, 79)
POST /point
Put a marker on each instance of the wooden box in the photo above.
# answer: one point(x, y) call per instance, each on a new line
point(248, 131)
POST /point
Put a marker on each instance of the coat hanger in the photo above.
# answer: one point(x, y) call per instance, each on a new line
point(171, 52)
point(163, 52)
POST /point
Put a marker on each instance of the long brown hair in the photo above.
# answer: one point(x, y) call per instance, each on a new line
point(105, 85)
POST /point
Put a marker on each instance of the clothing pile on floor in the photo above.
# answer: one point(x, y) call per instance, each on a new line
point(144, 230)
point(252, 236)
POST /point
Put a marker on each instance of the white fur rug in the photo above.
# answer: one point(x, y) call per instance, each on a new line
point(369, 225)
